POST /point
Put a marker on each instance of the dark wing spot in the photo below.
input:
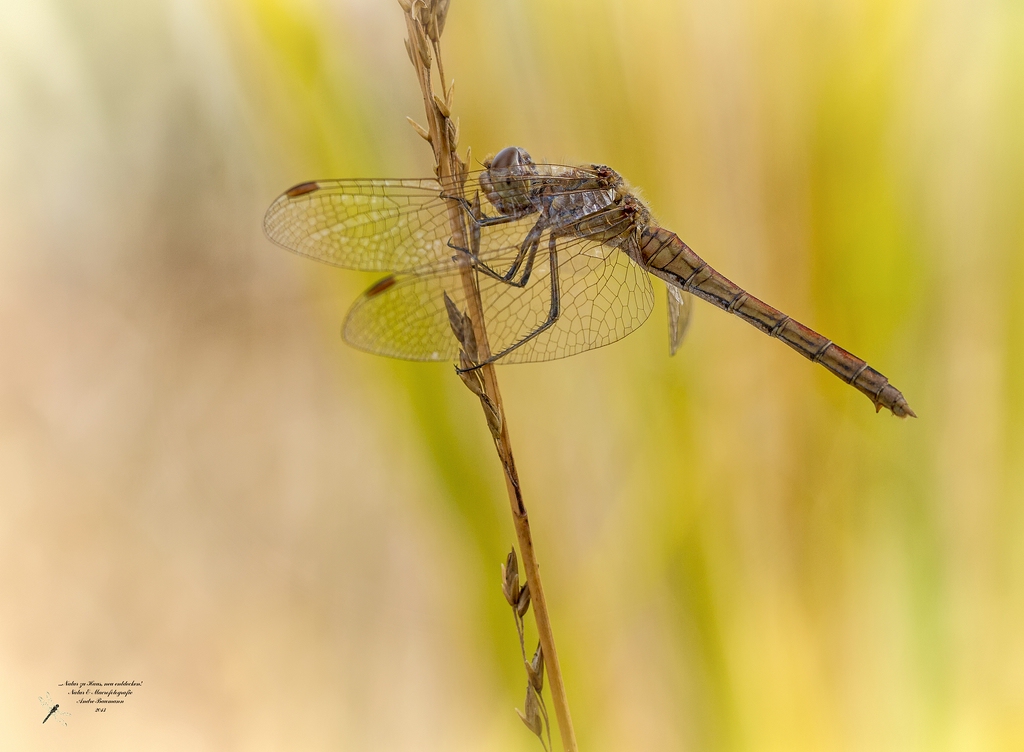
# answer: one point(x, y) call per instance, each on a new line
point(381, 286)
point(301, 190)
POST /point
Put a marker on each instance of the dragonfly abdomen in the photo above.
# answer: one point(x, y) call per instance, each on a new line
point(669, 258)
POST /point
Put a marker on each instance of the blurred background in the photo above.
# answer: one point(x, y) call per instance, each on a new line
point(296, 546)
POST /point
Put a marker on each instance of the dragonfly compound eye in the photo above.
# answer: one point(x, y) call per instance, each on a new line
point(506, 181)
point(510, 157)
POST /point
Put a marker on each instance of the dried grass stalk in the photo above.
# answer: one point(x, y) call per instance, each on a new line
point(425, 20)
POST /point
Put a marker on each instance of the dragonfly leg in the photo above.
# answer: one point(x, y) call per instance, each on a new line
point(553, 312)
point(527, 253)
point(527, 250)
point(477, 220)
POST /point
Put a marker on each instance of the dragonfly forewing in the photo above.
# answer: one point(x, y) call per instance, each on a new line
point(372, 225)
point(395, 225)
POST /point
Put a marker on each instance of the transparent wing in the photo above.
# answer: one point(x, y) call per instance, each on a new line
point(46, 702)
point(375, 225)
point(680, 307)
point(604, 296)
point(382, 225)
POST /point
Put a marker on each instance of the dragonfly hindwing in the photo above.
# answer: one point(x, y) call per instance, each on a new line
point(679, 310)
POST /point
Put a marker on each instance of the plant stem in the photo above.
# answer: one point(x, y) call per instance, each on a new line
point(424, 21)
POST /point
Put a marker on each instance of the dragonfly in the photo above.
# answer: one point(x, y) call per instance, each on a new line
point(563, 257)
point(53, 710)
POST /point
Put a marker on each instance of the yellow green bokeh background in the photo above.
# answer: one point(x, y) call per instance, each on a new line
point(295, 545)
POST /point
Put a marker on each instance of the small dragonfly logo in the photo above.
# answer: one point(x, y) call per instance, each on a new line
point(53, 710)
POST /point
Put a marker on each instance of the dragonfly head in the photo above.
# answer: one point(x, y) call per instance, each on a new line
point(506, 181)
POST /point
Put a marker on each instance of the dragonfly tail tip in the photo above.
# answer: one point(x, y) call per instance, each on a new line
point(900, 409)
